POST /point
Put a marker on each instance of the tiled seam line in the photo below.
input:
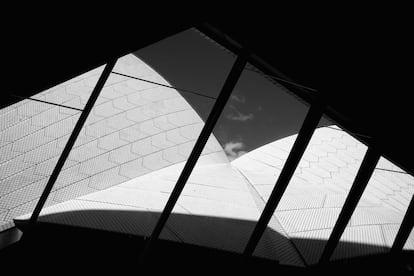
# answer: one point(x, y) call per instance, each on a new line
point(178, 127)
point(75, 96)
point(36, 131)
point(396, 183)
point(339, 129)
point(257, 195)
point(140, 156)
point(103, 136)
point(319, 208)
point(97, 138)
point(189, 182)
point(118, 165)
point(393, 194)
point(339, 168)
point(67, 83)
point(266, 163)
point(27, 101)
point(191, 196)
point(71, 94)
point(297, 174)
point(54, 192)
point(394, 180)
point(92, 138)
point(324, 201)
point(115, 165)
point(387, 195)
point(319, 159)
point(404, 182)
point(382, 231)
point(170, 164)
point(40, 128)
point(101, 103)
point(79, 163)
point(330, 228)
point(77, 113)
point(10, 220)
point(314, 162)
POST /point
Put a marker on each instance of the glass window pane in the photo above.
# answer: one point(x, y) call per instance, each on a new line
point(311, 203)
point(221, 203)
point(140, 131)
point(379, 213)
point(33, 135)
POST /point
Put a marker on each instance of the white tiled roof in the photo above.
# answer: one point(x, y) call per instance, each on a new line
point(132, 150)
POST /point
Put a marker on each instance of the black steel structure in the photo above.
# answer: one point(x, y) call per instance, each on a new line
point(361, 180)
point(72, 139)
point(346, 109)
point(305, 134)
point(215, 113)
point(405, 229)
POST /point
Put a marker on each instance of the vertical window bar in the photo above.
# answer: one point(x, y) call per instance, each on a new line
point(405, 229)
point(72, 139)
point(361, 180)
point(214, 115)
point(305, 134)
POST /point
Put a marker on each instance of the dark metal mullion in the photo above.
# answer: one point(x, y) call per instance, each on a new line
point(305, 133)
point(214, 115)
point(405, 229)
point(361, 180)
point(164, 85)
point(46, 102)
point(72, 139)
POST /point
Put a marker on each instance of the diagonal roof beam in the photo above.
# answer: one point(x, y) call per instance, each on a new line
point(305, 134)
point(72, 139)
point(405, 229)
point(361, 180)
point(214, 115)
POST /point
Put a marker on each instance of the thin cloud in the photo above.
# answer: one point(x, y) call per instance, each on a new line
point(234, 149)
point(238, 116)
point(234, 114)
point(238, 98)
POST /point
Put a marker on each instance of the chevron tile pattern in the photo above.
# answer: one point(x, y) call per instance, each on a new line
point(318, 189)
point(135, 128)
point(129, 156)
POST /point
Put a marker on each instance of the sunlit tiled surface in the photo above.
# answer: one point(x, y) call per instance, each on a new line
point(135, 128)
point(222, 202)
point(314, 198)
point(129, 155)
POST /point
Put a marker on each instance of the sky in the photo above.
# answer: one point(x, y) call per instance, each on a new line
point(258, 111)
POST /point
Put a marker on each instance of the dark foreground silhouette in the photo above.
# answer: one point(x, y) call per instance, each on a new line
point(50, 248)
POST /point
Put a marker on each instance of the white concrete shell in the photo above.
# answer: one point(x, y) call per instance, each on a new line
point(311, 204)
point(131, 152)
point(222, 202)
point(135, 128)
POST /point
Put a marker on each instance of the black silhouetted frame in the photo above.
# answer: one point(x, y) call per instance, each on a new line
point(360, 183)
point(405, 229)
point(72, 139)
point(317, 109)
point(214, 115)
point(305, 134)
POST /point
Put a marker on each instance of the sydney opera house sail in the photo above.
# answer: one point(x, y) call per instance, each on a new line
point(135, 128)
point(129, 155)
